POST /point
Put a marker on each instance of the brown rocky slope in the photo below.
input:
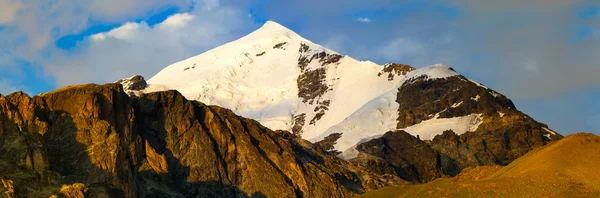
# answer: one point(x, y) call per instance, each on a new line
point(98, 139)
point(565, 168)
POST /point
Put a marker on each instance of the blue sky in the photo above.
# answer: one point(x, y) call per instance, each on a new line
point(543, 54)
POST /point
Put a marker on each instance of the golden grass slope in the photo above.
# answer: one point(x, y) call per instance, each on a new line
point(566, 168)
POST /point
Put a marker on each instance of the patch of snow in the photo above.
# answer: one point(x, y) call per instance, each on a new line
point(501, 114)
point(493, 93)
point(549, 131)
point(478, 84)
point(428, 129)
point(476, 98)
point(547, 136)
point(375, 118)
point(355, 133)
point(457, 104)
point(432, 72)
point(352, 152)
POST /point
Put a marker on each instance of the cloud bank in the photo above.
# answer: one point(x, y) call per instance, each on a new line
point(137, 48)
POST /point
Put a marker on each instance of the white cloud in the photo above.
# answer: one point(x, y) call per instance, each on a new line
point(125, 32)
point(177, 20)
point(364, 20)
point(8, 10)
point(112, 10)
point(137, 48)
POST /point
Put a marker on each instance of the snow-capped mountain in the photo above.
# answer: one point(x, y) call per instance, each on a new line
point(287, 82)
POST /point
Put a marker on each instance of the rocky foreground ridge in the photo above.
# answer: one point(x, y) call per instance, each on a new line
point(95, 140)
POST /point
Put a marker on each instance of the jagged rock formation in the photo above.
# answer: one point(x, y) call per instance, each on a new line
point(394, 69)
point(133, 85)
point(98, 141)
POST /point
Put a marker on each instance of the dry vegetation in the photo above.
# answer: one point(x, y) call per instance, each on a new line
point(567, 168)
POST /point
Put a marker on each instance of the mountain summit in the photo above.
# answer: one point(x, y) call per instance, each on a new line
point(287, 82)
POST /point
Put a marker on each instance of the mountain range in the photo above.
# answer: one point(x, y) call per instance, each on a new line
point(268, 115)
point(286, 82)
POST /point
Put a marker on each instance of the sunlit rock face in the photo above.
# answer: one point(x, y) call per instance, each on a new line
point(97, 140)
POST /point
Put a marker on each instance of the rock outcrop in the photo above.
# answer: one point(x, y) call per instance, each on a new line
point(133, 85)
point(98, 141)
point(404, 155)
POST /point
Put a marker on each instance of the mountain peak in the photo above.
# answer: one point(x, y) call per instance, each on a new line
point(273, 24)
point(271, 28)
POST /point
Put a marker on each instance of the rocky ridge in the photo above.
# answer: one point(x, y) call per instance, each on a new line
point(95, 140)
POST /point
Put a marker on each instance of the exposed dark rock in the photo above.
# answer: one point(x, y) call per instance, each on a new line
point(401, 154)
point(311, 85)
point(299, 121)
point(329, 142)
point(323, 57)
point(326, 59)
point(323, 106)
point(133, 83)
point(262, 53)
point(317, 117)
point(394, 69)
point(421, 98)
point(311, 82)
point(158, 145)
point(303, 48)
point(280, 45)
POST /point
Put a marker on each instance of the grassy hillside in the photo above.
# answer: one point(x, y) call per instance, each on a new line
point(567, 168)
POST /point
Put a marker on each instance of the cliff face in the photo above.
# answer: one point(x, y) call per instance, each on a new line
point(158, 145)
